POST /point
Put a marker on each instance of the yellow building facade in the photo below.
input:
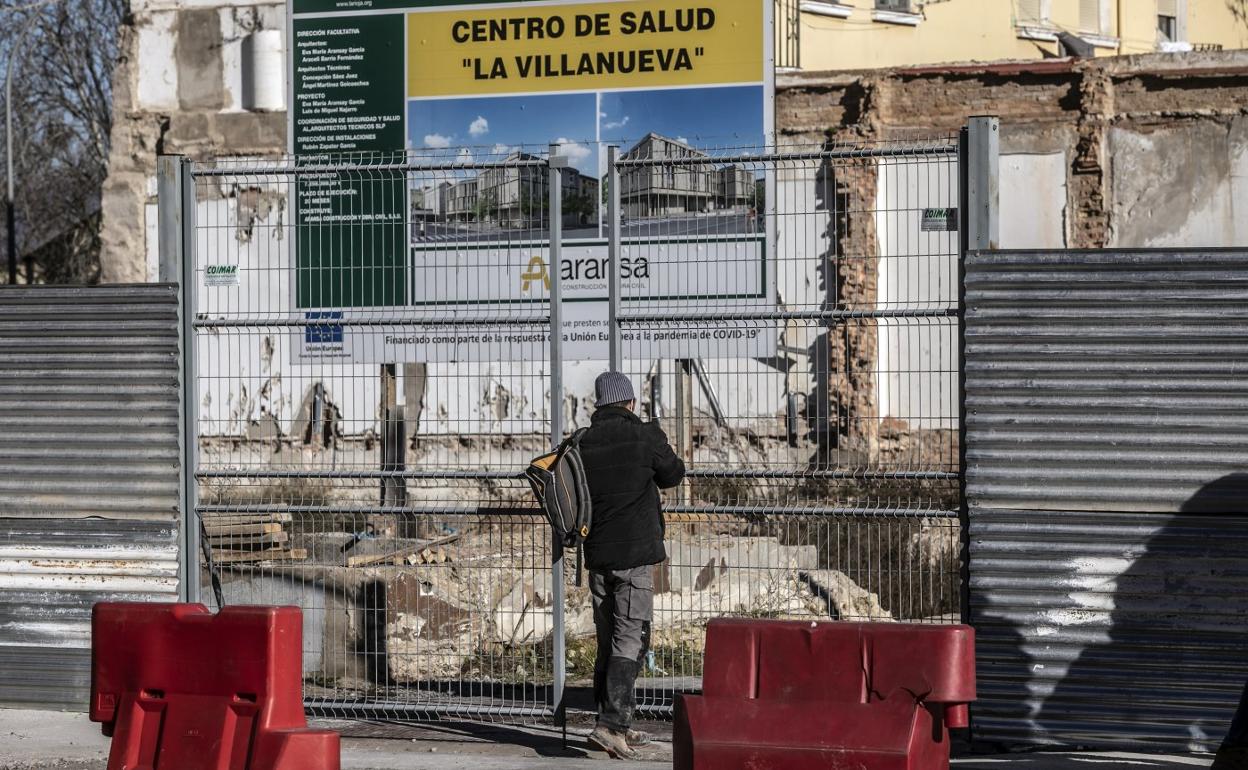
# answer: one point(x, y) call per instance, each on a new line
point(817, 35)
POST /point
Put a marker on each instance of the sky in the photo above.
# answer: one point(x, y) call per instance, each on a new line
point(730, 116)
point(703, 117)
point(499, 124)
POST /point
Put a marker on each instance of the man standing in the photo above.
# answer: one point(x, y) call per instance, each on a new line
point(626, 462)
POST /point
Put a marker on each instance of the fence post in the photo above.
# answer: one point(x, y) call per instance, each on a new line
point(613, 254)
point(169, 218)
point(978, 228)
point(176, 243)
point(555, 213)
point(982, 151)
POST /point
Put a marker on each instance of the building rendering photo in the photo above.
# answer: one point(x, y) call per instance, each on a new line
point(688, 184)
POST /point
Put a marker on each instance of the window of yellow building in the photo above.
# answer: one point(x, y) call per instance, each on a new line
point(1033, 13)
point(1094, 17)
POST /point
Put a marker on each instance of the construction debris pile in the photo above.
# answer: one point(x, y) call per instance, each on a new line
point(251, 538)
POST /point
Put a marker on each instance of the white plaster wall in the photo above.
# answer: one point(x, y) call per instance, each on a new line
point(244, 373)
point(1033, 201)
point(157, 47)
point(916, 377)
point(1172, 187)
point(151, 234)
point(917, 364)
point(151, 231)
point(237, 22)
point(1239, 182)
point(805, 200)
point(157, 63)
point(232, 36)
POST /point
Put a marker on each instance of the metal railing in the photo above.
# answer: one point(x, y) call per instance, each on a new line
point(788, 42)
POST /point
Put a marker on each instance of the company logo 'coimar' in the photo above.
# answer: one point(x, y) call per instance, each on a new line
point(582, 269)
point(222, 270)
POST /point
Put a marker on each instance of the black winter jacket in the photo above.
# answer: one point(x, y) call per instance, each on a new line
point(626, 461)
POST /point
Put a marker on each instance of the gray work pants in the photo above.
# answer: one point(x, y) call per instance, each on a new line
point(623, 608)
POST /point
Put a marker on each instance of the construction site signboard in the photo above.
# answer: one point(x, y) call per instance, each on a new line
point(477, 91)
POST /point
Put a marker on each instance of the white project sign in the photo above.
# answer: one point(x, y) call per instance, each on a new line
point(689, 277)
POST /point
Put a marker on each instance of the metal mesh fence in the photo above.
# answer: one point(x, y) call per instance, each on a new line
point(823, 458)
point(403, 532)
point(789, 317)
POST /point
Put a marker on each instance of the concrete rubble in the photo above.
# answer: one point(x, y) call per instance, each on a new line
point(437, 619)
point(491, 601)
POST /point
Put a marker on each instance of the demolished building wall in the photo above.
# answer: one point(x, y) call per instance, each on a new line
point(1173, 125)
point(184, 84)
point(1133, 131)
point(181, 86)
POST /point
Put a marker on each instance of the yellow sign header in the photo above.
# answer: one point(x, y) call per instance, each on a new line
point(529, 48)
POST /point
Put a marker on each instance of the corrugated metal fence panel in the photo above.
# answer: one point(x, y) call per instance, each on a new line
point(1107, 439)
point(52, 571)
point(1108, 629)
point(88, 473)
point(89, 401)
point(1105, 380)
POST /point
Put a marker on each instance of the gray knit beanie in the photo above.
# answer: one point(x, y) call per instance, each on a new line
point(612, 388)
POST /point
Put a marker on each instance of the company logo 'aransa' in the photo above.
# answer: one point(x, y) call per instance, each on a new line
point(582, 269)
point(536, 271)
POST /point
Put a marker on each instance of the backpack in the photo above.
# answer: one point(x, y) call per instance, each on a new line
point(558, 481)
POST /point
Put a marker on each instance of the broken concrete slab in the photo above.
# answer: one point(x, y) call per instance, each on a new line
point(845, 599)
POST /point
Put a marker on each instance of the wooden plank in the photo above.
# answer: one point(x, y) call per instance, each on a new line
point(228, 519)
point(381, 558)
point(269, 554)
point(401, 554)
point(429, 556)
point(442, 541)
point(214, 530)
point(248, 541)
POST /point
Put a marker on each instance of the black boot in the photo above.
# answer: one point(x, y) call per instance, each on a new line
point(600, 680)
point(621, 700)
point(616, 703)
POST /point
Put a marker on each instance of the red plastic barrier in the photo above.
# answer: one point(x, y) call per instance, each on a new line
point(178, 687)
point(796, 695)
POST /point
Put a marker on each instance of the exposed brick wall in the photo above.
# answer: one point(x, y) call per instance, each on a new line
point(1049, 106)
point(853, 343)
point(1055, 105)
